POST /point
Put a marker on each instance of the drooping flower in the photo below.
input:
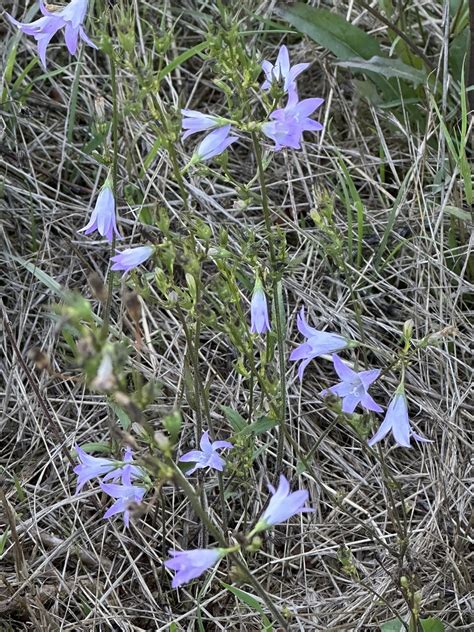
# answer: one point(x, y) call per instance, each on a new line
point(397, 421)
point(93, 467)
point(214, 144)
point(191, 564)
point(260, 322)
point(103, 216)
point(282, 506)
point(71, 19)
point(282, 71)
point(317, 343)
point(353, 388)
point(131, 258)
point(195, 122)
point(126, 495)
point(288, 123)
point(207, 456)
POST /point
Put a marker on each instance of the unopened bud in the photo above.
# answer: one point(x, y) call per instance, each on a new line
point(408, 329)
point(162, 441)
point(132, 305)
point(97, 286)
point(39, 357)
point(105, 378)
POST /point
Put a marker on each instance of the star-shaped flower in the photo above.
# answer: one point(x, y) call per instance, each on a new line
point(353, 388)
point(207, 456)
point(282, 71)
point(317, 343)
point(288, 124)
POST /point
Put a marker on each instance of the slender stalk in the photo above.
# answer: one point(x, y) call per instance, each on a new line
point(277, 299)
point(110, 280)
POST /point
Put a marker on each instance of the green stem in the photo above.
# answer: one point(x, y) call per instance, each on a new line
point(277, 299)
point(110, 280)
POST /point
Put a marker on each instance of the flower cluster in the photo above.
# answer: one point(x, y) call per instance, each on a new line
point(70, 19)
point(283, 505)
point(126, 493)
point(353, 389)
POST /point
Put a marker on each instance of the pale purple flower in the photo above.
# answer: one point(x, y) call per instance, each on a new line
point(282, 71)
point(317, 343)
point(92, 467)
point(71, 19)
point(207, 456)
point(103, 216)
point(195, 122)
point(282, 506)
point(131, 258)
point(126, 495)
point(353, 388)
point(214, 144)
point(191, 564)
point(289, 123)
point(260, 322)
point(397, 421)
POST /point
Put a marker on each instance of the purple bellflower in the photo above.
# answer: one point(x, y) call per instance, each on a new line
point(207, 456)
point(103, 216)
point(131, 258)
point(92, 467)
point(126, 496)
point(289, 123)
point(353, 388)
point(260, 322)
point(397, 421)
point(71, 19)
point(282, 506)
point(282, 71)
point(214, 144)
point(191, 564)
point(195, 122)
point(317, 343)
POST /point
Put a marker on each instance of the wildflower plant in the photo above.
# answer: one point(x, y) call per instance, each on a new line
point(181, 249)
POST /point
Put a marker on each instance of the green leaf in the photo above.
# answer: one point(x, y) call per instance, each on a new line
point(432, 625)
point(122, 416)
point(42, 276)
point(394, 625)
point(386, 67)
point(180, 59)
point(252, 602)
point(458, 212)
point(264, 424)
point(96, 446)
point(235, 419)
point(331, 30)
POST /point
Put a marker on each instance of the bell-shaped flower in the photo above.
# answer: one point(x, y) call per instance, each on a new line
point(93, 467)
point(131, 258)
point(214, 144)
point(103, 218)
point(259, 321)
point(282, 71)
point(288, 124)
point(353, 388)
point(207, 456)
point(191, 564)
point(397, 421)
point(317, 343)
point(126, 495)
point(282, 506)
point(70, 18)
point(194, 122)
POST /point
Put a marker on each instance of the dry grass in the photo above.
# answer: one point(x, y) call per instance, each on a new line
point(63, 567)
